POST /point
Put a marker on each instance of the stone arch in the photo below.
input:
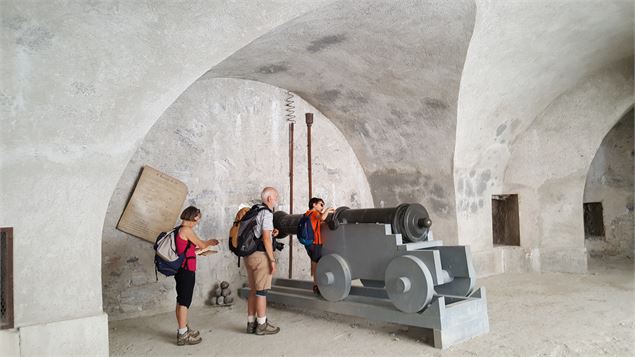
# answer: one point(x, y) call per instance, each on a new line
point(225, 139)
point(609, 185)
point(387, 75)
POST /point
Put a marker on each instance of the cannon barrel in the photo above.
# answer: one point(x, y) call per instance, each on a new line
point(411, 220)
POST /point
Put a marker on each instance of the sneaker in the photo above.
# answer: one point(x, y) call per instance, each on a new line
point(266, 329)
point(192, 331)
point(251, 327)
point(187, 339)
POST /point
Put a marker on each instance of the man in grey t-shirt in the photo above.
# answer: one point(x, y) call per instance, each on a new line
point(260, 267)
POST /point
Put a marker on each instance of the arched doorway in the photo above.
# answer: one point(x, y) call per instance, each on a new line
point(608, 194)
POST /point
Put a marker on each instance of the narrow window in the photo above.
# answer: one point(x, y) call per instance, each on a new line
point(505, 220)
point(6, 278)
point(593, 220)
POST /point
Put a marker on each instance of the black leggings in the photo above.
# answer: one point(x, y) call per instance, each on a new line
point(185, 281)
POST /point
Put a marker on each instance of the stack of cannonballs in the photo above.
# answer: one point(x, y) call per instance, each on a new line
point(221, 295)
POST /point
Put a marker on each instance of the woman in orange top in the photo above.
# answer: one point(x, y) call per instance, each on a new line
point(318, 214)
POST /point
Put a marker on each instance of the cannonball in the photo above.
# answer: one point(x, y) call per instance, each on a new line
point(224, 285)
point(229, 300)
point(212, 300)
point(226, 292)
point(217, 292)
point(220, 300)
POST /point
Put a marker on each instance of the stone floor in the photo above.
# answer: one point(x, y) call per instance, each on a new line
point(533, 314)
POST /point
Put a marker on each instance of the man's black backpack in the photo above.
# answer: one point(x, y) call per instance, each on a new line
point(242, 240)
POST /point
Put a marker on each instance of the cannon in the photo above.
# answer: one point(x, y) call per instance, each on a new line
point(408, 277)
point(389, 248)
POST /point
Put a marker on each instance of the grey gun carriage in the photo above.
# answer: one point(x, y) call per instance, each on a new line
point(407, 277)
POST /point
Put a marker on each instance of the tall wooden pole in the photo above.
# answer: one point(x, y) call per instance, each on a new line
point(309, 122)
point(291, 127)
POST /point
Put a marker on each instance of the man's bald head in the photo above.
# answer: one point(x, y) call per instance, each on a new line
point(269, 196)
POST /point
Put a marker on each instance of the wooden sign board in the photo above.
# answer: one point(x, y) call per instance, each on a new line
point(155, 205)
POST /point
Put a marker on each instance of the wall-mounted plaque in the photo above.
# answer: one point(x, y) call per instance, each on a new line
point(155, 205)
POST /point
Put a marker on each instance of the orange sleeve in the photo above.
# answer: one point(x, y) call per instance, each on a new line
point(315, 222)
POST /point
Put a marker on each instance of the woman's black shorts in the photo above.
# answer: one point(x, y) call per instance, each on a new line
point(314, 251)
point(185, 280)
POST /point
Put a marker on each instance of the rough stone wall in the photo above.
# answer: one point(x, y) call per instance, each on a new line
point(226, 139)
point(610, 181)
point(523, 57)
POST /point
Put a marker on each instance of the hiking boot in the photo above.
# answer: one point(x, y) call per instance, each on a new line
point(192, 331)
point(187, 339)
point(251, 327)
point(266, 329)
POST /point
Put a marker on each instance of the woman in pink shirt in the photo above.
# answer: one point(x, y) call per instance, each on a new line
point(187, 241)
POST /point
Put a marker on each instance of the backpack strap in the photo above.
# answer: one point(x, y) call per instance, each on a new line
point(184, 265)
point(189, 243)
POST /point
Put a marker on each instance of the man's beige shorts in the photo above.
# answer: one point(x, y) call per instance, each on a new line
point(258, 274)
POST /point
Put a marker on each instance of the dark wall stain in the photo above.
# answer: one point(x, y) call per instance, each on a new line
point(35, 38)
point(396, 113)
point(480, 187)
point(440, 207)
point(132, 260)
point(501, 128)
point(430, 112)
point(273, 68)
point(460, 185)
point(483, 180)
point(435, 104)
point(329, 96)
point(357, 97)
point(324, 42)
point(469, 191)
point(437, 191)
point(354, 200)
point(394, 187)
point(15, 23)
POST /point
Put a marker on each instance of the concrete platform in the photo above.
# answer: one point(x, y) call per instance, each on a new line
point(452, 319)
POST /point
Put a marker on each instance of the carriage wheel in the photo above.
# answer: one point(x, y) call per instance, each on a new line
point(333, 277)
point(409, 283)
